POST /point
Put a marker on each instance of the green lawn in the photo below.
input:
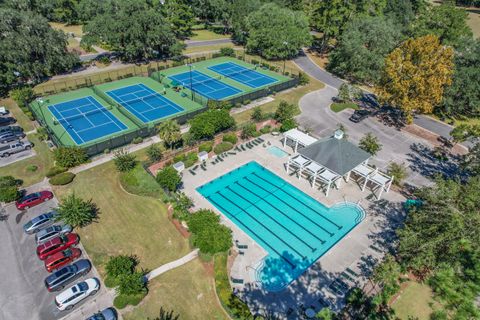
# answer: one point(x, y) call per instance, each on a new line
point(189, 290)
point(139, 182)
point(200, 35)
point(337, 107)
point(415, 301)
point(18, 114)
point(76, 29)
point(128, 224)
point(210, 48)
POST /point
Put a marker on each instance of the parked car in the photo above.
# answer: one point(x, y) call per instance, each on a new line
point(11, 129)
point(60, 278)
point(33, 199)
point(52, 232)
point(68, 298)
point(9, 149)
point(9, 136)
point(5, 121)
point(3, 111)
point(39, 222)
point(105, 314)
point(62, 258)
point(57, 244)
point(359, 115)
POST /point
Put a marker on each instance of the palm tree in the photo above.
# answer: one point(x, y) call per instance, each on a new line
point(169, 132)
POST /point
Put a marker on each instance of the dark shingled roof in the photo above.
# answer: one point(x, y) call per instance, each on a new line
point(338, 155)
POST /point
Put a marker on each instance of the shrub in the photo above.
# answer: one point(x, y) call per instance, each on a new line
point(132, 283)
point(137, 140)
point(106, 151)
point(222, 147)
point(214, 104)
point(288, 124)
point(266, 129)
point(208, 234)
point(62, 179)
point(121, 264)
point(285, 111)
point(206, 146)
point(42, 134)
point(227, 52)
point(121, 301)
point(303, 78)
point(69, 157)
point(22, 96)
point(154, 153)
point(207, 124)
point(257, 114)
point(32, 168)
point(9, 188)
point(168, 178)
point(54, 171)
point(77, 212)
point(248, 130)
point(230, 137)
point(124, 161)
point(398, 171)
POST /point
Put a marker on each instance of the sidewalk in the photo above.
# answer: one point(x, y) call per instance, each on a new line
point(171, 265)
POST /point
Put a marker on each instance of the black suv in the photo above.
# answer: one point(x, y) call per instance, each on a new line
point(60, 278)
point(359, 115)
point(11, 136)
point(5, 121)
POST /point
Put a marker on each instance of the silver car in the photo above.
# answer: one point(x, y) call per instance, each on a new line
point(51, 232)
point(39, 222)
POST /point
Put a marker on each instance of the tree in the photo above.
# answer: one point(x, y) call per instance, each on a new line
point(463, 132)
point(22, 96)
point(387, 274)
point(239, 13)
point(77, 212)
point(257, 114)
point(398, 171)
point(463, 96)
point(401, 12)
point(288, 125)
point(166, 315)
point(248, 130)
point(154, 153)
point(445, 21)
point(9, 188)
point(124, 161)
point(471, 161)
point(180, 17)
point(169, 132)
point(132, 283)
point(325, 314)
point(277, 33)
point(31, 50)
point(69, 157)
point(370, 143)
point(135, 29)
point(208, 234)
point(416, 74)
point(209, 123)
point(362, 48)
point(121, 264)
point(285, 111)
point(169, 178)
point(349, 93)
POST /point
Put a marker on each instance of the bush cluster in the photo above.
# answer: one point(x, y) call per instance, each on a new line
point(62, 179)
point(124, 161)
point(168, 178)
point(54, 171)
point(222, 147)
point(209, 123)
point(9, 189)
point(208, 234)
point(69, 157)
point(230, 137)
point(206, 146)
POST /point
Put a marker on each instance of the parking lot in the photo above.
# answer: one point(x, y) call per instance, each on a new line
point(22, 291)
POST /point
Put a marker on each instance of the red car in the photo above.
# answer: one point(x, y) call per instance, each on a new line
point(56, 244)
point(61, 258)
point(33, 199)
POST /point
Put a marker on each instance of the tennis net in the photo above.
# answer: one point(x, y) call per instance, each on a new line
point(197, 83)
point(79, 116)
point(245, 70)
point(104, 96)
point(143, 99)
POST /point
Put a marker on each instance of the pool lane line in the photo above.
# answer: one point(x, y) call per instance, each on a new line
point(303, 203)
point(260, 223)
point(278, 223)
point(293, 265)
point(286, 216)
point(293, 208)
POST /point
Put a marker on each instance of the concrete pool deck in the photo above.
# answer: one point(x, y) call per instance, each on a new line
point(313, 287)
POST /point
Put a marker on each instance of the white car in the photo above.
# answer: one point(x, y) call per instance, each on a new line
point(68, 298)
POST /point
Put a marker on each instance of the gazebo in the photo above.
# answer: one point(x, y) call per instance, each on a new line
point(298, 138)
point(325, 162)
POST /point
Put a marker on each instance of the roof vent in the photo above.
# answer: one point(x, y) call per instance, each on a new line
point(338, 134)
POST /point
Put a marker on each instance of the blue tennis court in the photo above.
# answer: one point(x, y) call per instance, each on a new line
point(145, 103)
point(248, 77)
point(205, 85)
point(85, 119)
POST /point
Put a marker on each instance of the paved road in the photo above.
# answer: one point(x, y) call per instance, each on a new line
point(425, 122)
point(22, 292)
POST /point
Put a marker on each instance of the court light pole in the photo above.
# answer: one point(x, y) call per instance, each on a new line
point(191, 87)
point(285, 43)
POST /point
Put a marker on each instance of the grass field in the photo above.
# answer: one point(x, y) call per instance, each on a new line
point(76, 29)
point(128, 224)
point(17, 113)
point(415, 301)
point(202, 35)
point(338, 107)
point(210, 48)
point(188, 290)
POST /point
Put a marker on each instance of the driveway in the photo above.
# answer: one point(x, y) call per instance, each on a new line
point(22, 292)
point(397, 146)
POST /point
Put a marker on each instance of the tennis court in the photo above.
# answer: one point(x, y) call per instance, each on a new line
point(85, 119)
point(205, 85)
point(248, 77)
point(145, 103)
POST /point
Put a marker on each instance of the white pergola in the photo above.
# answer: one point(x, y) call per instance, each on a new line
point(382, 181)
point(298, 137)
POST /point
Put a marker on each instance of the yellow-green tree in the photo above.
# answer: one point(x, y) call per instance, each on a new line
point(415, 75)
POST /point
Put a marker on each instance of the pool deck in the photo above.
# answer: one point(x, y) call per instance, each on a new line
point(358, 250)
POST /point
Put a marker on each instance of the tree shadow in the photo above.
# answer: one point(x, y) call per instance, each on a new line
point(431, 162)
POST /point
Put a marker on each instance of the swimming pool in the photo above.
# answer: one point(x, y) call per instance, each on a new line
point(277, 152)
point(291, 226)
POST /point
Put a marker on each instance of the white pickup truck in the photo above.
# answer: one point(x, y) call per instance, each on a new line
point(9, 149)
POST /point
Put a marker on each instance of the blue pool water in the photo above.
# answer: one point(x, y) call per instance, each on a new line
point(277, 152)
point(291, 226)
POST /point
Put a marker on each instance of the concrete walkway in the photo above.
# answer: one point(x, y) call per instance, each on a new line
point(171, 265)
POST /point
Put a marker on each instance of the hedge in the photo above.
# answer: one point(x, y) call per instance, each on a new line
point(206, 146)
point(62, 179)
point(222, 147)
point(121, 301)
point(230, 137)
point(54, 171)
